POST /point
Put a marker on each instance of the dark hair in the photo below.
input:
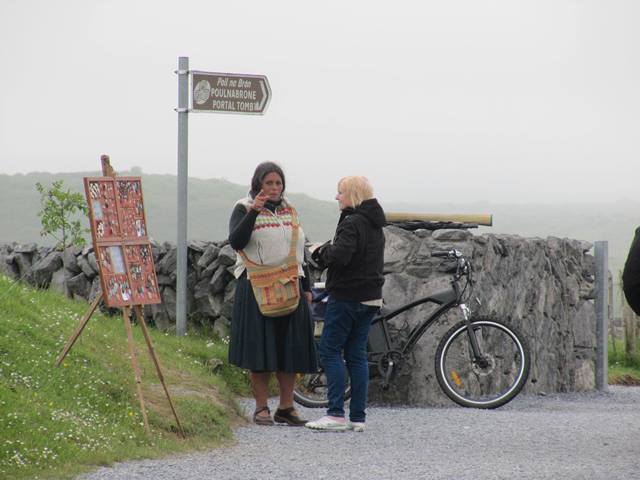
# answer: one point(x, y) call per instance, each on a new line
point(262, 170)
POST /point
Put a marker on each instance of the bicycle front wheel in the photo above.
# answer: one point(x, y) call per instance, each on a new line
point(493, 380)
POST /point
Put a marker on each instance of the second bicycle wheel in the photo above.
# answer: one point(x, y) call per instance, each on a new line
point(310, 389)
point(493, 381)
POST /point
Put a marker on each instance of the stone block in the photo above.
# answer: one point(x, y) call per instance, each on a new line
point(86, 267)
point(69, 259)
point(209, 255)
point(451, 235)
point(197, 245)
point(169, 299)
point(165, 280)
point(168, 264)
point(23, 263)
point(219, 280)
point(227, 255)
point(211, 269)
point(202, 289)
point(27, 248)
point(222, 327)
point(43, 270)
point(79, 286)
point(59, 281)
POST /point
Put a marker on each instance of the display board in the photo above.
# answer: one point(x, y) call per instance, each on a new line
point(120, 241)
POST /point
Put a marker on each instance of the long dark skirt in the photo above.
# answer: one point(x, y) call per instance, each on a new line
point(264, 344)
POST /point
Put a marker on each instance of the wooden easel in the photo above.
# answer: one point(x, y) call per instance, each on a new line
point(108, 171)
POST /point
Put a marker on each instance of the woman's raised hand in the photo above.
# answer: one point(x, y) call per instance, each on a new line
point(258, 202)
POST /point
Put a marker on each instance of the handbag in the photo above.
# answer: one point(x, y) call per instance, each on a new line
point(276, 288)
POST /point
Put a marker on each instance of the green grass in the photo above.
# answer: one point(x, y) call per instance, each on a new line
point(624, 368)
point(56, 422)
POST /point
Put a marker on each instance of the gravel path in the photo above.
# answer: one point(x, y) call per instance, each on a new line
point(568, 436)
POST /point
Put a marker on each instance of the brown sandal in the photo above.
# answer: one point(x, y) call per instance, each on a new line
point(261, 419)
point(286, 416)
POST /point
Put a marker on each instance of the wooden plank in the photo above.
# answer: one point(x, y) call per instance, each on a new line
point(107, 169)
point(78, 330)
point(477, 218)
point(126, 313)
point(145, 332)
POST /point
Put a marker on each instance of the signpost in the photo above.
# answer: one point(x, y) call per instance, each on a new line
point(206, 92)
point(229, 93)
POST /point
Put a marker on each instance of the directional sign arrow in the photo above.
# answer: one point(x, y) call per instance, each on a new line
point(229, 93)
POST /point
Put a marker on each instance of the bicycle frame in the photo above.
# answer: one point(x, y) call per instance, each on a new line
point(446, 299)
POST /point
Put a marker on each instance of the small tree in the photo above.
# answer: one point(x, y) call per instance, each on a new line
point(58, 206)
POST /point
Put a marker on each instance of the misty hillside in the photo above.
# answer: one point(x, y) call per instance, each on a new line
point(210, 205)
point(211, 201)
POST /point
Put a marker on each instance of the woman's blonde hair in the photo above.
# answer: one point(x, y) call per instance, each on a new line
point(356, 189)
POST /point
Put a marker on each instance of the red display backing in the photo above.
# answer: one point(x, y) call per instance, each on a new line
point(120, 241)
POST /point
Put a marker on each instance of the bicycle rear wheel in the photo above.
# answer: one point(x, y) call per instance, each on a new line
point(488, 384)
point(310, 389)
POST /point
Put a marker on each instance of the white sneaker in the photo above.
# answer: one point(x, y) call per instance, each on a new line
point(327, 424)
point(357, 426)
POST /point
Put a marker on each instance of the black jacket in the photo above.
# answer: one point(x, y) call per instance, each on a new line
point(631, 274)
point(356, 257)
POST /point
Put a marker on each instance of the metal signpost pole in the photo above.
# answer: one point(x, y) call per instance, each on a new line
point(601, 253)
point(183, 175)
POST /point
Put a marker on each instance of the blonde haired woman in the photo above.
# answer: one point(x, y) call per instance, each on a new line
point(354, 282)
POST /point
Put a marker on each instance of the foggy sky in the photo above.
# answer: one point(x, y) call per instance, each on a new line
point(499, 101)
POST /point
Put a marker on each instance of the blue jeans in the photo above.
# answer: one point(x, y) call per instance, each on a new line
point(346, 329)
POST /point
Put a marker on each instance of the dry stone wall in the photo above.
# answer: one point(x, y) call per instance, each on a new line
point(544, 287)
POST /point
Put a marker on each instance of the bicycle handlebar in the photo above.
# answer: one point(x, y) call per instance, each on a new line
point(463, 267)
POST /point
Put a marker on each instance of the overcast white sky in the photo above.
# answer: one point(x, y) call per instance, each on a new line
point(435, 101)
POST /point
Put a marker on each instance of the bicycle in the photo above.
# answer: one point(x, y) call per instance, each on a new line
point(479, 363)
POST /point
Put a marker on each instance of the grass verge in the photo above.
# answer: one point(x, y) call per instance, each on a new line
point(624, 368)
point(57, 422)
